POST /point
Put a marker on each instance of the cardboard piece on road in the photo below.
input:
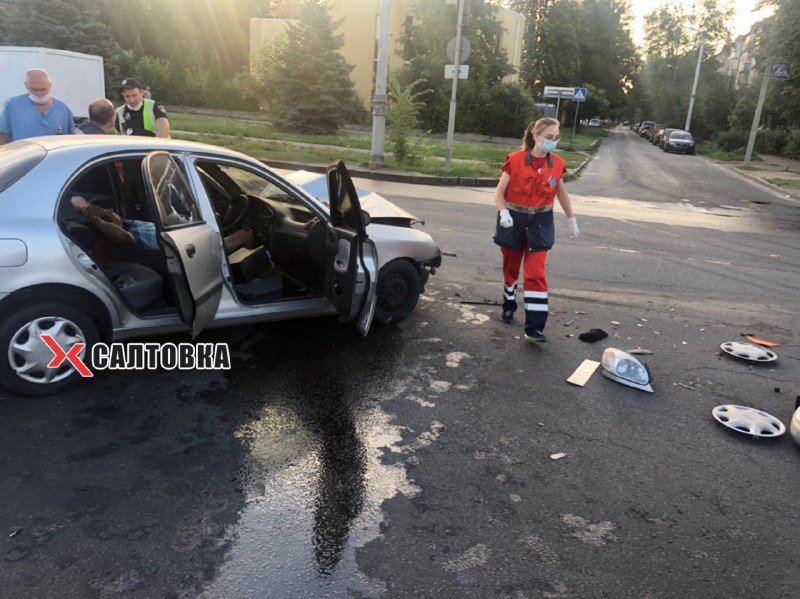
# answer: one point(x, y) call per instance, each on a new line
point(764, 342)
point(583, 373)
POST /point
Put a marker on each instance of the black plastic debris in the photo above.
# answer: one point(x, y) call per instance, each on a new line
point(593, 335)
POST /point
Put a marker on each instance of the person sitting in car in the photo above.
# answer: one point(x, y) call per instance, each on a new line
point(142, 233)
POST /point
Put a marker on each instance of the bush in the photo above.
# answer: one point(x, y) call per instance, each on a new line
point(792, 149)
point(771, 141)
point(509, 111)
point(731, 141)
point(404, 107)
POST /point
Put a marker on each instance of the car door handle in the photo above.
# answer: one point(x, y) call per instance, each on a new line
point(190, 250)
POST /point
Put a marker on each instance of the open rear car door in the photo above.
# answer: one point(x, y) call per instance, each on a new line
point(192, 248)
point(352, 275)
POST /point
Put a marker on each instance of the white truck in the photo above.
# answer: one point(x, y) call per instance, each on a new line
point(77, 78)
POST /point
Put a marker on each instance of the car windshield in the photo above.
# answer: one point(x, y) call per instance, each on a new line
point(680, 135)
point(17, 159)
point(255, 185)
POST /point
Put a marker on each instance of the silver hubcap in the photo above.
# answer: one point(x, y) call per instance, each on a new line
point(29, 355)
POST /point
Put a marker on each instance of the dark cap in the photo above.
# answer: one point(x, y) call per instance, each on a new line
point(130, 83)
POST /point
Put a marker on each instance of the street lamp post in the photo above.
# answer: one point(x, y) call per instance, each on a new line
point(380, 101)
point(694, 85)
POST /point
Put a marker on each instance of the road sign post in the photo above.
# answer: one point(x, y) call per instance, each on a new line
point(451, 120)
point(552, 91)
point(579, 96)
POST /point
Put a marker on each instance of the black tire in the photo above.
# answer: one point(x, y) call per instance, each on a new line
point(398, 291)
point(76, 323)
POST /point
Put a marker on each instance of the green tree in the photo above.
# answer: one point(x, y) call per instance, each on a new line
point(665, 32)
point(404, 108)
point(608, 55)
point(309, 80)
point(424, 50)
point(74, 25)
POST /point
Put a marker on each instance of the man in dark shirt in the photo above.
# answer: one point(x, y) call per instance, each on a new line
point(102, 117)
point(140, 115)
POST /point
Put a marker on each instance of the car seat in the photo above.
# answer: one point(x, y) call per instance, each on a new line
point(138, 285)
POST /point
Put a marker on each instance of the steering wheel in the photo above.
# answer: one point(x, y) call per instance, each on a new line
point(233, 207)
point(234, 213)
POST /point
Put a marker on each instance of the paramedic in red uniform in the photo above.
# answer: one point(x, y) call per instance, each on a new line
point(531, 181)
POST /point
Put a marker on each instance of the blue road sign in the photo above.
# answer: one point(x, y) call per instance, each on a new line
point(781, 70)
point(579, 95)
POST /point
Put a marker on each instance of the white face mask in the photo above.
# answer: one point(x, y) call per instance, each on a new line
point(136, 106)
point(39, 99)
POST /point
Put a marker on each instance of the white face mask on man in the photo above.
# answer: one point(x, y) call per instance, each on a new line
point(39, 99)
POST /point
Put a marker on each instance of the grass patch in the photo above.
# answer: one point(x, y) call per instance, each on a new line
point(234, 133)
point(792, 183)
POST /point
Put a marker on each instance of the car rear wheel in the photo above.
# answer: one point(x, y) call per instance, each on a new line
point(24, 356)
point(398, 291)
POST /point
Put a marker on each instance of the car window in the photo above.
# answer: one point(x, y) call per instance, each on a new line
point(176, 204)
point(16, 160)
point(681, 136)
point(256, 185)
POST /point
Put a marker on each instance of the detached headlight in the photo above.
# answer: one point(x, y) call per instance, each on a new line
point(624, 368)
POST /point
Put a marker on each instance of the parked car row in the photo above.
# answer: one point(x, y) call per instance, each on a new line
point(667, 138)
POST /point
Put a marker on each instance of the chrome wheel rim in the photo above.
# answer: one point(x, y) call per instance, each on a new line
point(29, 356)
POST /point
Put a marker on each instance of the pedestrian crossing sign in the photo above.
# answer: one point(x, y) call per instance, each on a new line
point(579, 95)
point(781, 70)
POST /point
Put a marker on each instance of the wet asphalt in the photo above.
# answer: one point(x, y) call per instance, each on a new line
point(416, 462)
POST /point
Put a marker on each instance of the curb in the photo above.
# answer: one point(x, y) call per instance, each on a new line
point(764, 182)
point(391, 176)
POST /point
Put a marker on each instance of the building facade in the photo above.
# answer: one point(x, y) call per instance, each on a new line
point(360, 26)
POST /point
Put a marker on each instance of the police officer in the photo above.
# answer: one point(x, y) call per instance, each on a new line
point(140, 115)
point(531, 180)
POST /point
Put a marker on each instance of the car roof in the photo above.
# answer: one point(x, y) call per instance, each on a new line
point(117, 143)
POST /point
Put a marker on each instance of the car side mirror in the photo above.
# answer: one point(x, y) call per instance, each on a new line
point(365, 217)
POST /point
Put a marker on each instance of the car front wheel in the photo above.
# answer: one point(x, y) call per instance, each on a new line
point(398, 291)
point(24, 356)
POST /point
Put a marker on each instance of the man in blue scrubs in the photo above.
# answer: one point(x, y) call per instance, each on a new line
point(36, 113)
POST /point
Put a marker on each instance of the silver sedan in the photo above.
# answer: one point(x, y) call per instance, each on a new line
point(109, 238)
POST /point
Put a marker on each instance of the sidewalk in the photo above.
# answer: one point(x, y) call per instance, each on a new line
point(775, 172)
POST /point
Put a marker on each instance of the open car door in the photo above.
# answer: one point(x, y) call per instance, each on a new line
point(352, 276)
point(191, 247)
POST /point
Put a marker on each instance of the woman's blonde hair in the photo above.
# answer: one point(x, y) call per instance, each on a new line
point(535, 128)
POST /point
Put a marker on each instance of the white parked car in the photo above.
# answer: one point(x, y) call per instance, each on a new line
point(595, 123)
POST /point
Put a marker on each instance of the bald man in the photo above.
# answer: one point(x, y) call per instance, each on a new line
point(35, 113)
point(102, 116)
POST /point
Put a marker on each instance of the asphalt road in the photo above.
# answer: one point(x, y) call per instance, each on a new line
point(416, 462)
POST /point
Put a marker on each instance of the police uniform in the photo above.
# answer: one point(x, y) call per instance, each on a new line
point(142, 121)
point(530, 196)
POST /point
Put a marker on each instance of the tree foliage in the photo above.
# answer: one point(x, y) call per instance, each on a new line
point(424, 50)
point(308, 78)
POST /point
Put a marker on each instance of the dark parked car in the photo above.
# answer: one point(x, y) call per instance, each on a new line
point(653, 131)
point(645, 127)
point(680, 141)
point(662, 139)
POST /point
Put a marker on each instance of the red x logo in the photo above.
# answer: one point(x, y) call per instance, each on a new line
point(72, 355)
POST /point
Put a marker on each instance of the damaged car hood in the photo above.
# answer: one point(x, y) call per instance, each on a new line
point(381, 210)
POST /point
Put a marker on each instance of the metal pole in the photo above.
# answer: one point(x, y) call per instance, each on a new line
point(757, 116)
point(558, 106)
point(451, 120)
point(694, 85)
point(380, 101)
point(577, 105)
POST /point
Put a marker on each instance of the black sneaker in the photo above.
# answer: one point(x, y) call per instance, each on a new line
point(507, 316)
point(536, 336)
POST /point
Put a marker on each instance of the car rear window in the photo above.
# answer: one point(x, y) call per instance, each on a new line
point(16, 160)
